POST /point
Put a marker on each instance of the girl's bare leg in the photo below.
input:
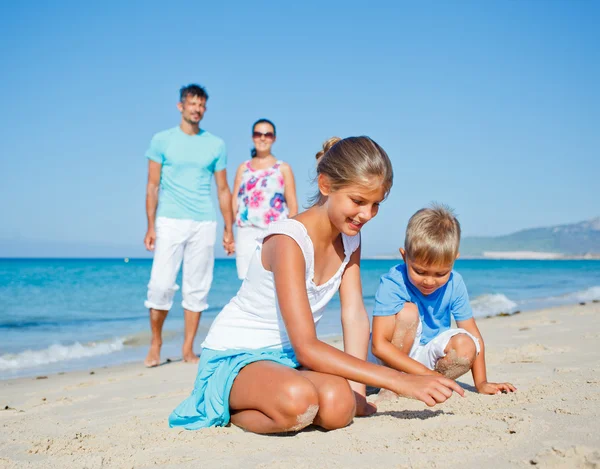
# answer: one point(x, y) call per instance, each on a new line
point(268, 397)
point(337, 404)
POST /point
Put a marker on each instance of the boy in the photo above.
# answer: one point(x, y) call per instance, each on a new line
point(416, 300)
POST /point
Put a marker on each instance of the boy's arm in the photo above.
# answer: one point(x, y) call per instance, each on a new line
point(479, 369)
point(386, 351)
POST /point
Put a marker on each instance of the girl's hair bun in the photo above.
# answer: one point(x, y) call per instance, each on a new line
point(326, 146)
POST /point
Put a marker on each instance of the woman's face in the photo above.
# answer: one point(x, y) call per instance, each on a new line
point(263, 136)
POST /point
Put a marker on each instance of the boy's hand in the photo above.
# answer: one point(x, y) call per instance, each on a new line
point(495, 388)
point(428, 389)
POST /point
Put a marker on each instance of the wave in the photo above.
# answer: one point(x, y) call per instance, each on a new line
point(11, 323)
point(492, 304)
point(589, 294)
point(58, 353)
point(30, 324)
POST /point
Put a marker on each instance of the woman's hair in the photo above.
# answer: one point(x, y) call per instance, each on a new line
point(261, 121)
point(352, 160)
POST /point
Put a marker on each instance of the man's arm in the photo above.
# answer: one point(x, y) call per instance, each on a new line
point(152, 186)
point(224, 195)
point(236, 188)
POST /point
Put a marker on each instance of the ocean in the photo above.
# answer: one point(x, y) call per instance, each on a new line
point(59, 315)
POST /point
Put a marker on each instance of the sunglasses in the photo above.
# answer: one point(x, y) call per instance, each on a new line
point(267, 135)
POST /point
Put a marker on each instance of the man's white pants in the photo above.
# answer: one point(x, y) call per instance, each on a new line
point(193, 243)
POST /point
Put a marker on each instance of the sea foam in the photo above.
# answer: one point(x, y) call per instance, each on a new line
point(492, 304)
point(58, 353)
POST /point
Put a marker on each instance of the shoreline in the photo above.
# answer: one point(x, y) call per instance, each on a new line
point(173, 337)
point(117, 416)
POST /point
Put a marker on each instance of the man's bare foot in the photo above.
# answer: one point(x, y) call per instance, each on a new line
point(153, 357)
point(385, 395)
point(190, 357)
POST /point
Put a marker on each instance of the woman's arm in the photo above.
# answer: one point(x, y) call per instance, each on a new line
point(282, 256)
point(289, 189)
point(236, 188)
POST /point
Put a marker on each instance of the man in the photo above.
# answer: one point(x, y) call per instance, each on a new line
point(181, 163)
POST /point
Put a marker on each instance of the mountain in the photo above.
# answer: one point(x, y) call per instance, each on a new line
point(573, 240)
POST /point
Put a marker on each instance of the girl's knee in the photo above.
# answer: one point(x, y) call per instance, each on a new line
point(337, 404)
point(299, 404)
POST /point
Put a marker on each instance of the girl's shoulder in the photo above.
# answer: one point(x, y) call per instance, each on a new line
point(351, 243)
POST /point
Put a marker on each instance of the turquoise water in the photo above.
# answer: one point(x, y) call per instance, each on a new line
point(64, 314)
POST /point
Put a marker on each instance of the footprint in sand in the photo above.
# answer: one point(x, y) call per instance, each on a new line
point(575, 456)
point(528, 353)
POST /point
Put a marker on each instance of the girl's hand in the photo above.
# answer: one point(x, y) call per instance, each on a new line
point(495, 388)
point(431, 390)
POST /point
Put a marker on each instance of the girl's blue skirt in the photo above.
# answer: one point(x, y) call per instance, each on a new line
point(208, 406)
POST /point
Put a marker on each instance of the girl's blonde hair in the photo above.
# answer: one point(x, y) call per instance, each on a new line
point(352, 160)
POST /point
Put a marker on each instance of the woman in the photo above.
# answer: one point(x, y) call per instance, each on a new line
point(264, 192)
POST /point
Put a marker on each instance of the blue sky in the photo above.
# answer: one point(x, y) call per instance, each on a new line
point(491, 107)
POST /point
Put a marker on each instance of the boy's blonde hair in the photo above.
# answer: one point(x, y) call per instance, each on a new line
point(433, 236)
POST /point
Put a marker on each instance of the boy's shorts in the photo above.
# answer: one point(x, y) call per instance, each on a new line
point(433, 350)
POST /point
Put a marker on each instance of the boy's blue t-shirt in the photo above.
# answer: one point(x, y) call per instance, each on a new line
point(435, 310)
point(188, 163)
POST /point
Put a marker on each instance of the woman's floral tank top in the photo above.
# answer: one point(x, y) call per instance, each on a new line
point(260, 198)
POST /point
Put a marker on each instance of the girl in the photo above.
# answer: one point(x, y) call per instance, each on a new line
point(264, 192)
point(262, 366)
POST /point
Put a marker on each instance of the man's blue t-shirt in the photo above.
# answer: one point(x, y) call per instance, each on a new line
point(435, 310)
point(188, 163)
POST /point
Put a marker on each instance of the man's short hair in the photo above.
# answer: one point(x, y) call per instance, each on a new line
point(192, 90)
point(433, 236)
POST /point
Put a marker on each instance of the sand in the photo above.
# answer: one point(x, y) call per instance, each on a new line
point(117, 417)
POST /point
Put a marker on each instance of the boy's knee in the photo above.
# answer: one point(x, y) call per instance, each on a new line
point(337, 405)
point(299, 405)
point(464, 347)
point(409, 314)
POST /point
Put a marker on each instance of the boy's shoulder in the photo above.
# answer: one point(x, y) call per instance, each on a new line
point(456, 279)
point(397, 274)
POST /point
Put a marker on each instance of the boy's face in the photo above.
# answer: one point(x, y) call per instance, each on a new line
point(427, 278)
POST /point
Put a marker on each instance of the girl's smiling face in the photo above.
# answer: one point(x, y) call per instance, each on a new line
point(351, 206)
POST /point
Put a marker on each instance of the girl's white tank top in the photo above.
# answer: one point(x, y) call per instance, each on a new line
point(252, 319)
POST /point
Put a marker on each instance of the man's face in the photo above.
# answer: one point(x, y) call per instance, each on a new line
point(192, 109)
